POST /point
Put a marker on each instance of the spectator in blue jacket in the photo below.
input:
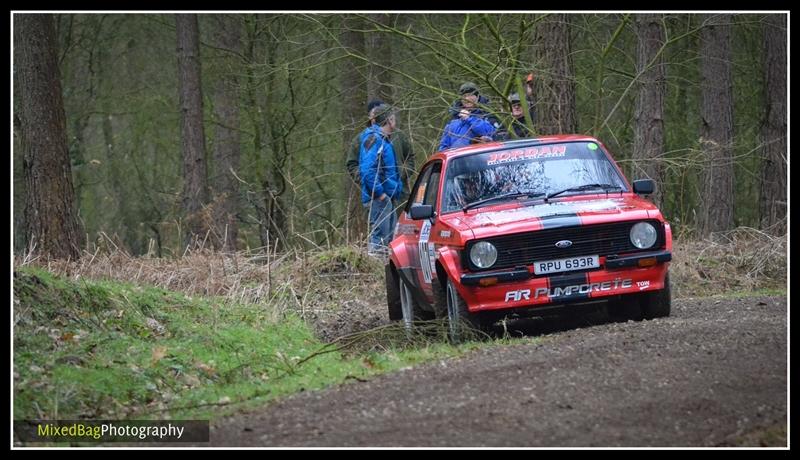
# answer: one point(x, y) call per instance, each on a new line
point(482, 101)
point(471, 124)
point(380, 179)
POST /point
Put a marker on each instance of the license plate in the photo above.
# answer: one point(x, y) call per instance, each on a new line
point(566, 265)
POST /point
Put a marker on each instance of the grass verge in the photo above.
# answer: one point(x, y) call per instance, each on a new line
point(88, 349)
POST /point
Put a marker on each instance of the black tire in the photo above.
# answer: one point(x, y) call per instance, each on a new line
point(416, 312)
point(637, 307)
point(393, 294)
point(657, 304)
point(461, 324)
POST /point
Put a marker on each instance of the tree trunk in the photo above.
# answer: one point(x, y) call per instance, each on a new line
point(274, 186)
point(354, 116)
point(49, 215)
point(774, 154)
point(116, 161)
point(195, 188)
point(227, 36)
point(717, 194)
point(648, 143)
point(379, 53)
point(554, 82)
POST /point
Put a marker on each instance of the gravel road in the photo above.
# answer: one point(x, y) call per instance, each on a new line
point(711, 374)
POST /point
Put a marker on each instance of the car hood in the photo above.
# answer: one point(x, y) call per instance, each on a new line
point(484, 222)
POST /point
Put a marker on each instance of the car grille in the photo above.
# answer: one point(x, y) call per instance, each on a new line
point(526, 248)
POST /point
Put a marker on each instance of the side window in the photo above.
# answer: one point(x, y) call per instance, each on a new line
point(418, 192)
point(433, 185)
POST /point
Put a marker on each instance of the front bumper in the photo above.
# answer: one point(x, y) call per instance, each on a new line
point(519, 287)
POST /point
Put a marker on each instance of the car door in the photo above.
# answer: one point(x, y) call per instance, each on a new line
point(425, 259)
point(408, 231)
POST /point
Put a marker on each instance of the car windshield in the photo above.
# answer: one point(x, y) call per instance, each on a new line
point(529, 172)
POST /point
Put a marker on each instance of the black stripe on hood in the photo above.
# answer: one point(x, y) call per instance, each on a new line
point(560, 220)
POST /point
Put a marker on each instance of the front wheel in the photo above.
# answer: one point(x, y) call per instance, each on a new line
point(410, 309)
point(407, 305)
point(646, 305)
point(460, 322)
point(657, 304)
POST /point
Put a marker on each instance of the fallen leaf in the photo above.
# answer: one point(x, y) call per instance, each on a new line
point(210, 371)
point(67, 337)
point(159, 353)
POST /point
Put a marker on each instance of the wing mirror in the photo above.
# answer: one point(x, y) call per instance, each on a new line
point(644, 186)
point(421, 211)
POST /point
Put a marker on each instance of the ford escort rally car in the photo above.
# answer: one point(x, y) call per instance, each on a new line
point(525, 227)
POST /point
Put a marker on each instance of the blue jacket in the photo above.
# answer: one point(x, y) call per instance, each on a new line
point(458, 104)
point(378, 166)
point(459, 133)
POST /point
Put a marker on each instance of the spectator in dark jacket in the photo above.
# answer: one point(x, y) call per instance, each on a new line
point(519, 126)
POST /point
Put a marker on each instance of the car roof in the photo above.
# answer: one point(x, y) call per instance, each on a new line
point(489, 146)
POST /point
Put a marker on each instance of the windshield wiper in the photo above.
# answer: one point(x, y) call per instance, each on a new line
point(506, 196)
point(581, 188)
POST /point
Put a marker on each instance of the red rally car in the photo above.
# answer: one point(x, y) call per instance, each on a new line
point(519, 228)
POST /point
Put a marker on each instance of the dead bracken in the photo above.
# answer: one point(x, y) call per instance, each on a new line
point(339, 291)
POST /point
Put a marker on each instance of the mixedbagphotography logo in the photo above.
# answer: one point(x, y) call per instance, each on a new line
point(111, 430)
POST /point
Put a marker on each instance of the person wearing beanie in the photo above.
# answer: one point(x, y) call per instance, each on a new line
point(372, 104)
point(402, 149)
point(352, 153)
point(470, 88)
point(380, 178)
point(471, 123)
point(381, 115)
point(518, 125)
